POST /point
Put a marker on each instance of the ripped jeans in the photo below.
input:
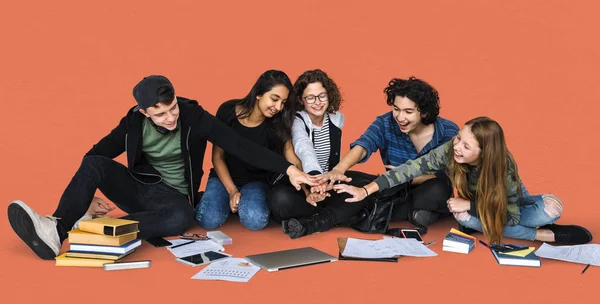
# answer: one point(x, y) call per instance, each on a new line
point(537, 210)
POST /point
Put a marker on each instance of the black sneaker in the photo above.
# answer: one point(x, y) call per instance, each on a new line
point(424, 217)
point(38, 232)
point(569, 234)
point(293, 228)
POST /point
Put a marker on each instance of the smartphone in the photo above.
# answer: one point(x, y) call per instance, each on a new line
point(158, 242)
point(127, 265)
point(202, 258)
point(412, 234)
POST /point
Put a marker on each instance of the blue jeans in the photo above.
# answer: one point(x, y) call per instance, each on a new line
point(213, 209)
point(532, 216)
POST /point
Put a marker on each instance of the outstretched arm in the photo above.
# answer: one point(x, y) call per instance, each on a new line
point(303, 147)
point(371, 140)
point(435, 160)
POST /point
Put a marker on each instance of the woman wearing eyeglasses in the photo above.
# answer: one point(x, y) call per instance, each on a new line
point(264, 117)
point(316, 137)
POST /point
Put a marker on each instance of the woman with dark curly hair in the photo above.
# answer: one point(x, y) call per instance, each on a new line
point(410, 130)
point(316, 137)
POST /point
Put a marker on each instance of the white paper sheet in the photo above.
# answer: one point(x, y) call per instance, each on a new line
point(583, 254)
point(385, 248)
point(232, 270)
point(193, 248)
point(412, 247)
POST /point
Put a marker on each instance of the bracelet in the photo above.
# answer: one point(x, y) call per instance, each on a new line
point(366, 190)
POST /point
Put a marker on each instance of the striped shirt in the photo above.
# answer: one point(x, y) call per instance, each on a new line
point(396, 147)
point(321, 143)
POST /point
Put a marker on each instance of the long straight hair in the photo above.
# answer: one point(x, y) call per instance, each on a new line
point(281, 123)
point(494, 161)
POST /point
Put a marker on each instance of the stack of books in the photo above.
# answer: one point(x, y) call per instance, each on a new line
point(456, 241)
point(515, 255)
point(100, 241)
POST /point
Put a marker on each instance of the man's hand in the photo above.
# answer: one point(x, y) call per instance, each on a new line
point(358, 194)
point(457, 205)
point(298, 177)
point(99, 207)
point(234, 200)
point(314, 198)
point(332, 176)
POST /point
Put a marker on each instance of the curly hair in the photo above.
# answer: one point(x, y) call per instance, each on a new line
point(312, 76)
point(420, 92)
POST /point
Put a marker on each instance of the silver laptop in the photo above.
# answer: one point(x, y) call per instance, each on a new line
point(279, 260)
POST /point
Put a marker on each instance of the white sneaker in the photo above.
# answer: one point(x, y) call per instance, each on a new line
point(39, 233)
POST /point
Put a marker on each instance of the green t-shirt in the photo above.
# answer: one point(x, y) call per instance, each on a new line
point(163, 152)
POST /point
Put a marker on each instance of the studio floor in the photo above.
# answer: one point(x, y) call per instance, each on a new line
point(68, 69)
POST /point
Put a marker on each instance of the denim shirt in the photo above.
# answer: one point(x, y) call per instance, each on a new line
point(396, 147)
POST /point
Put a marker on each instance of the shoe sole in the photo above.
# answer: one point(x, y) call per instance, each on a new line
point(294, 229)
point(22, 223)
point(284, 227)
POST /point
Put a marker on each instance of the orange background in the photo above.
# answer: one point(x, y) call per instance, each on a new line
point(68, 68)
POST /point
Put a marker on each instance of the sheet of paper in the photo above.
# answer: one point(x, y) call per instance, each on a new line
point(412, 247)
point(385, 248)
point(193, 248)
point(365, 249)
point(583, 254)
point(232, 270)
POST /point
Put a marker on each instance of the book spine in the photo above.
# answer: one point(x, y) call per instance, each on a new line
point(96, 228)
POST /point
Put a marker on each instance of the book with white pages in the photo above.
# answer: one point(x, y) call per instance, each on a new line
point(125, 248)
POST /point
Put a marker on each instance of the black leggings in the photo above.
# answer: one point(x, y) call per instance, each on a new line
point(431, 195)
point(286, 202)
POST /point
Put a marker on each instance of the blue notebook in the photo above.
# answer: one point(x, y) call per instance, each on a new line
point(530, 260)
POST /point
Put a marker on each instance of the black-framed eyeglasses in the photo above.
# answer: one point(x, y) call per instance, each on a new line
point(193, 236)
point(310, 99)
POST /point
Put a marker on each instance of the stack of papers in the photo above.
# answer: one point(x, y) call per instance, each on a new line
point(583, 254)
point(386, 248)
point(232, 270)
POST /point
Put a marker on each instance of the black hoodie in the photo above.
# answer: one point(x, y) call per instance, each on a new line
point(197, 127)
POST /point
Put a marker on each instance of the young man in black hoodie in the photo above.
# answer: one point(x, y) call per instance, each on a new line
point(164, 138)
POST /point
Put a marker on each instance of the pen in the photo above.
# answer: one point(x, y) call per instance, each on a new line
point(430, 243)
point(586, 267)
point(483, 243)
point(183, 244)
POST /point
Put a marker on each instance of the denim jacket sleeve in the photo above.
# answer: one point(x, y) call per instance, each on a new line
point(373, 139)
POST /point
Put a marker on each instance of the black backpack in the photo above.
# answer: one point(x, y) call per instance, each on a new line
point(377, 214)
